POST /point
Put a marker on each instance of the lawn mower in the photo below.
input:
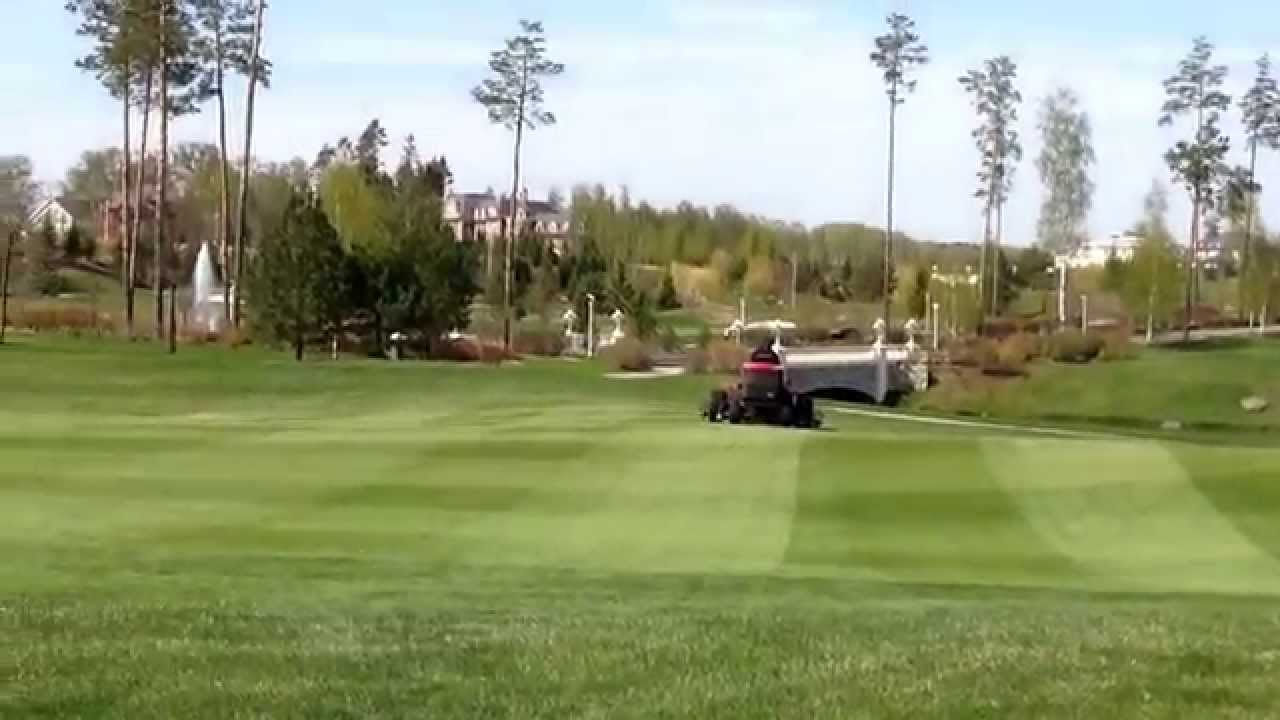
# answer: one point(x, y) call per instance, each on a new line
point(761, 394)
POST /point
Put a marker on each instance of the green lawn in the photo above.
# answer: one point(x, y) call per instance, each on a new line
point(1199, 386)
point(227, 534)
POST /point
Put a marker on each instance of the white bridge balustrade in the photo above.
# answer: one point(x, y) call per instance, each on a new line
point(881, 372)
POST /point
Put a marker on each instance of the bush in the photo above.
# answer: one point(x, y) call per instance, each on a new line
point(668, 298)
point(56, 317)
point(726, 357)
point(1008, 358)
point(1021, 348)
point(542, 342)
point(1074, 347)
point(704, 337)
point(50, 284)
point(467, 350)
point(697, 361)
point(813, 335)
point(235, 337)
point(1117, 346)
point(973, 352)
point(628, 355)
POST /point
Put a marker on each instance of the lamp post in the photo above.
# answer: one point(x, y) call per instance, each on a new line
point(591, 323)
point(1084, 313)
point(934, 324)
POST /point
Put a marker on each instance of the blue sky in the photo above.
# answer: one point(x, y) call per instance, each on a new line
point(765, 104)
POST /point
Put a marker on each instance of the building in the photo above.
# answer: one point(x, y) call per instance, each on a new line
point(1095, 253)
point(482, 218)
point(54, 212)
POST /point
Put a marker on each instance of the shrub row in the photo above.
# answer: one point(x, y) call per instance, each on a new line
point(721, 357)
point(628, 355)
point(1010, 355)
point(57, 317)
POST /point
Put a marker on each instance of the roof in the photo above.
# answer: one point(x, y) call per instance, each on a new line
point(47, 207)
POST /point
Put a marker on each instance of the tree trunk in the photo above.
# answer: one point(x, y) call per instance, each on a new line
point(4, 283)
point(246, 170)
point(995, 264)
point(162, 179)
point(509, 254)
point(126, 203)
point(1151, 312)
point(982, 263)
point(299, 344)
point(224, 226)
point(1247, 251)
point(888, 234)
point(1191, 267)
point(140, 189)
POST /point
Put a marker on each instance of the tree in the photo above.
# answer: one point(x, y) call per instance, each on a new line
point(257, 75)
point(1064, 164)
point(296, 275)
point(113, 25)
point(94, 180)
point(1260, 110)
point(996, 100)
point(40, 256)
point(1196, 90)
point(168, 52)
point(1261, 284)
point(223, 47)
point(918, 300)
point(1114, 271)
point(73, 245)
point(897, 54)
point(1150, 289)
point(16, 192)
point(514, 98)
point(668, 299)
point(6, 270)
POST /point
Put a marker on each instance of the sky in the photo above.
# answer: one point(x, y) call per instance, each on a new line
point(769, 105)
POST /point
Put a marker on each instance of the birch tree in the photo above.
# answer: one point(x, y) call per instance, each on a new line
point(1064, 164)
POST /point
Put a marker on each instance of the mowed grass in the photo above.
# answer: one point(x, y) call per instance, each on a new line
point(1199, 386)
point(228, 534)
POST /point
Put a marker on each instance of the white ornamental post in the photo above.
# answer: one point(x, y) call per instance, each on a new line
point(937, 307)
point(591, 325)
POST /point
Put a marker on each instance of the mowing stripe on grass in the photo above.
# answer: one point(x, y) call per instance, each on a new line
point(913, 508)
point(1128, 513)
point(643, 500)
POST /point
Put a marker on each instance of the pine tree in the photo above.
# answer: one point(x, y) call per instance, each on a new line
point(514, 98)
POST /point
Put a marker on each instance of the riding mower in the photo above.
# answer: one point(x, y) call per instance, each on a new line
point(761, 395)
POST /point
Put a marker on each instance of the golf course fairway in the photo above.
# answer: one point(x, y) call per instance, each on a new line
point(226, 533)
